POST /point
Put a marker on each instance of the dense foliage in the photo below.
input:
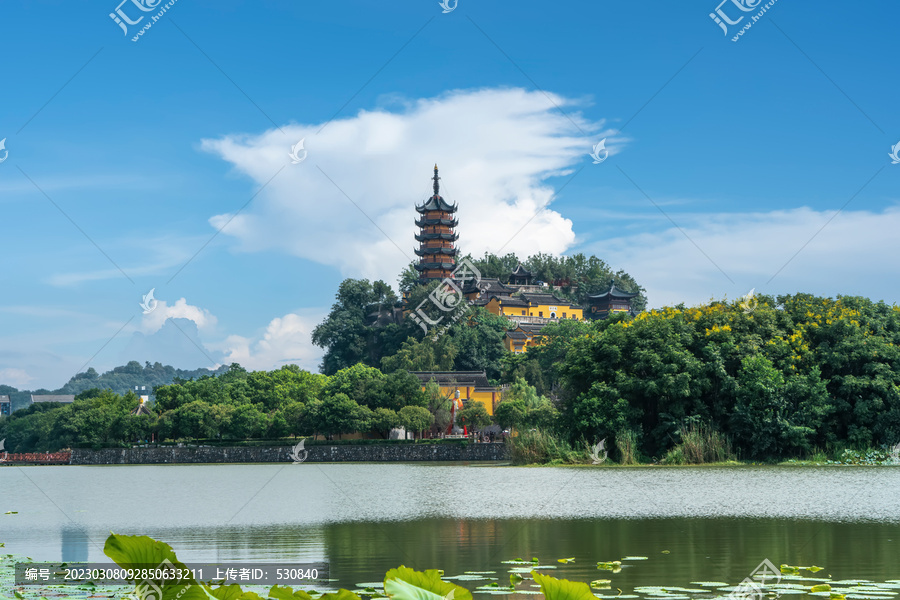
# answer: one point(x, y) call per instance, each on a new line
point(790, 377)
point(361, 326)
point(794, 375)
point(119, 380)
point(236, 405)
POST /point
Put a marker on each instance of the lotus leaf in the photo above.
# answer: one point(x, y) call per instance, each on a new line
point(404, 583)
point(562, 589)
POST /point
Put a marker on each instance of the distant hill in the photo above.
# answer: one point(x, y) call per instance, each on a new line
point(120, 380)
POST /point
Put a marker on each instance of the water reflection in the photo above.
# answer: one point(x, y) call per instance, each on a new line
point(73, 545)
point(718, 524)
point(698, 549)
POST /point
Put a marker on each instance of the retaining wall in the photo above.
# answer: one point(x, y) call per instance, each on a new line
point(282, 454)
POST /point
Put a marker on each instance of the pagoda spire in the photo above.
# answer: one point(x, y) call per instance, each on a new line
point(437, 236)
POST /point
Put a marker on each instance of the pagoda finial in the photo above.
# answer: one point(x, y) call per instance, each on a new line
point(437, 186)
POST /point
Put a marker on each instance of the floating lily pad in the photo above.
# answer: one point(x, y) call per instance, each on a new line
point(531, 568)
point(601, 583)
point(635, 558)
point(709, 583)
point(566, 560)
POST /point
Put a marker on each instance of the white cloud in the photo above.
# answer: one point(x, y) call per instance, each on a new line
point(15, 377)
point(495, 148)
point(285, 340)
point(855, 254)
point(153, 321)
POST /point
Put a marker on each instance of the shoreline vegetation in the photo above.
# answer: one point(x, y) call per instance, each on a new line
point(795, 378)
point(700, 448)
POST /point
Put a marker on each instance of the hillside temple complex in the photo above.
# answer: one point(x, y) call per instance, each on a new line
point(529, 304)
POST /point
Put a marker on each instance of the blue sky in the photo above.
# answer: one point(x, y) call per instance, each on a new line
point(761, 163)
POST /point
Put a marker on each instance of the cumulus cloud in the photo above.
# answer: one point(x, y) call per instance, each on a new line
point(777, 252)
point(15, 377)
point(495, 149)
point(154, 321)
point(285, 340)
point(177, 342)
point(184, 334)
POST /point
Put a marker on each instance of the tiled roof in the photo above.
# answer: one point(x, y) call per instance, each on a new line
point(516, 335)
point(461, 378)
point(548, 299)
point(423, 222)
point(491, 287)
point(53, 398)
point(521, 272)
point(4, 398)
point(141, 410)
point(532, 328)
point(436, 203)
point(614, 292)
point(511, 301)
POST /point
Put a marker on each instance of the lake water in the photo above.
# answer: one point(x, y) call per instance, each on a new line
point(717, 524)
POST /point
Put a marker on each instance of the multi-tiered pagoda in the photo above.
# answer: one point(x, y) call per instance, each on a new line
point(436, 237)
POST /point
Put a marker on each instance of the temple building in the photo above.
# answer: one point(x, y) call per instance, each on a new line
point(481, 292)
point(533, 308)
point(465, 386)
point(520, 276)
point(611, 301)
point(437, 250)
point(64, 398)
point(523, 337)
point(528, 303)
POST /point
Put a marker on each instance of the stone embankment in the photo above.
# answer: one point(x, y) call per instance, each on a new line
point(283, 454)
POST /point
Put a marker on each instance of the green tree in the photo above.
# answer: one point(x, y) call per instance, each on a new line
point(416, 418)
point(345, 334)
point(510, 414)
point(424, 355)
point(247, 421)
point(340, 414)
point(480, 342)
point(383, 420)
point(474, 416)
point(439, 404)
